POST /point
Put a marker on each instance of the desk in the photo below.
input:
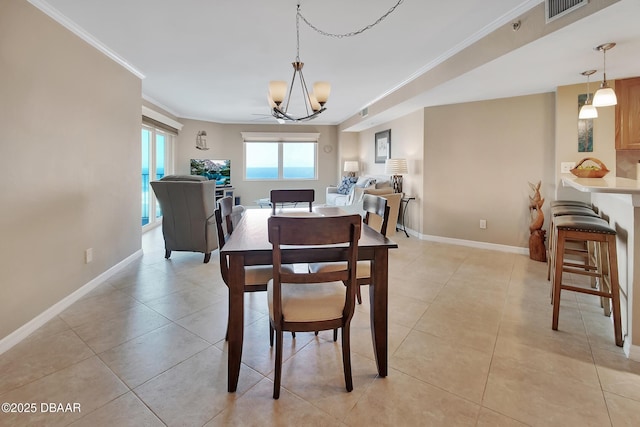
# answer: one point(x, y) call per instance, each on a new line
point(249, 245)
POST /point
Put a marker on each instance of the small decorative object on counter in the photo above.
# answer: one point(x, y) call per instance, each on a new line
point(595, 169)
point(537, 249)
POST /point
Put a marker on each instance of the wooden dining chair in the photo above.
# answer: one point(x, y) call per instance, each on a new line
point(372, 205)
point(292, 196)
point(255, 277)
point(306, 301)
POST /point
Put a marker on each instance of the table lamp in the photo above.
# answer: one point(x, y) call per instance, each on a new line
point(396, 168)
point(352, 167)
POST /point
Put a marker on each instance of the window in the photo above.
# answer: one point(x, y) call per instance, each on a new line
point(280, 156)
point(157, 155)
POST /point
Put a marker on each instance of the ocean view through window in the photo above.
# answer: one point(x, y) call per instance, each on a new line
point(285, 160)
point(156, 161)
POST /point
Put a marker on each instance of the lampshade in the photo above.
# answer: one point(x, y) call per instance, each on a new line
point(396, 167)
point(588, 111)
point(605, 97)
point(277, 91)
point(351, 166)
point(321, 91)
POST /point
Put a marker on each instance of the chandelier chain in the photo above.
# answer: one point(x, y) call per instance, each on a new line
point(349, 34)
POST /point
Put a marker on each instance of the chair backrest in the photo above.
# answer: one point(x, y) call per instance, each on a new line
point(187, 205)
point(224, 226)
point(314, 231)
point(292, 196)
point(376, 205)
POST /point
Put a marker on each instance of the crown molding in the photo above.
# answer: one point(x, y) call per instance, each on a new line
point(153, 114)
point(57, 16)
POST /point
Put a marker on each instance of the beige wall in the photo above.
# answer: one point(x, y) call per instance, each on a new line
point(406, 142)
point(225, 142)
point(479, 159)
point(70, 161)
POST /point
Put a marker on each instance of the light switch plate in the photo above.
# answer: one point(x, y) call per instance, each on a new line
point(565, 167)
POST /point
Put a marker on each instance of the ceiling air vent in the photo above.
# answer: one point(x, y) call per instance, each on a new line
point(554, 9)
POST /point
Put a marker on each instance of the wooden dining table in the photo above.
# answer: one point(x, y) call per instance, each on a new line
point(249, 245)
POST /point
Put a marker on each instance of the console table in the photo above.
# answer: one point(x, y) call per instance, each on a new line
point(404, 204)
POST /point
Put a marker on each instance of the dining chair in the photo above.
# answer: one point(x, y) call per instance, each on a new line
point(292, 196)
point(255, 277)
point(372, 205)
point(304, 301)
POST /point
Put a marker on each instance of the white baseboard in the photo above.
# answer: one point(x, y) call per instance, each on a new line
point(25, 330)
point(632, 351)
point(472, 243)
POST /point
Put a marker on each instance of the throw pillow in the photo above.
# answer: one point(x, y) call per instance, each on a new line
point(363, 181)
point(346, 184)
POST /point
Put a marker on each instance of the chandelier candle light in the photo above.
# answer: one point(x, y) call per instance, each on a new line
point(396, 168)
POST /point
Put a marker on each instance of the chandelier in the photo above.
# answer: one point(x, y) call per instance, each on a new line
point(314, 102)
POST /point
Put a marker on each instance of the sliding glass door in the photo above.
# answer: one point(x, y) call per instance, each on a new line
point(157, 160)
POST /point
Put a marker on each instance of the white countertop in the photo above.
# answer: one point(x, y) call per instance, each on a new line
point(608, 184)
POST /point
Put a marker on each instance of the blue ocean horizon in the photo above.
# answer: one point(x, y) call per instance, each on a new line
point(289, 173)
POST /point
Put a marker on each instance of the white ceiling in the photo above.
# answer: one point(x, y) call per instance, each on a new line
point(212, 59)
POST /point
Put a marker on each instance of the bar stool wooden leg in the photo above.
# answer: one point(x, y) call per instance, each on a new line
point(614, 287)
point(557, 279)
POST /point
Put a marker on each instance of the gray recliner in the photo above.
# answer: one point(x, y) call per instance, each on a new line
point(188, 203)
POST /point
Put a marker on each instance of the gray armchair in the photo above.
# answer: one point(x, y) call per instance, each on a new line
point(188, 204)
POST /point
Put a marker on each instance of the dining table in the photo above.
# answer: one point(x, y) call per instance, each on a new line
point(249, 245)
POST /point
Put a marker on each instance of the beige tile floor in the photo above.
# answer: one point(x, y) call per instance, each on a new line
point(470, 344)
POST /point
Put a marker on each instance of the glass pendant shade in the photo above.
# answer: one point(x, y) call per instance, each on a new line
point(321, 91)
point(277, 91)
point(604, 97)
point(588, 111)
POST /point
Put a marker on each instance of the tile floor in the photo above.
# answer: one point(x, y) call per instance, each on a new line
point(470, 344)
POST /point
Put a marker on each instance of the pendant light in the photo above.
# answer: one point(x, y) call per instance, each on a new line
point(605, 96)
point(588, 111)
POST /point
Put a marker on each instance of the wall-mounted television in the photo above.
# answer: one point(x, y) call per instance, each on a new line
point(218, 170)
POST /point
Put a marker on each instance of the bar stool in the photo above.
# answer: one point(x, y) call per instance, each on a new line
point(598, 232)
point(562, 210)
point(570, 203)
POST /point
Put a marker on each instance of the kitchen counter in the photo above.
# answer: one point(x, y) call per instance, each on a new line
point(618, 201)
point(608, 184)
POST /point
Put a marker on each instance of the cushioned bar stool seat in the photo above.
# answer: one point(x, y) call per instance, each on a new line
point(562, 211)
point(570, 203)
point(598, 232)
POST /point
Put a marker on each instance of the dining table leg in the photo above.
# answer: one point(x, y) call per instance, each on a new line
point(236, 319)
point(378, 299)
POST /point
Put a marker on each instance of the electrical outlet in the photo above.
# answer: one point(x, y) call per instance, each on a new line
point(565, 167)
point(88, 255)
point(483, 223)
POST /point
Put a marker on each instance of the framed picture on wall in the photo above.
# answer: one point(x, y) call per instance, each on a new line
point(383, 146)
